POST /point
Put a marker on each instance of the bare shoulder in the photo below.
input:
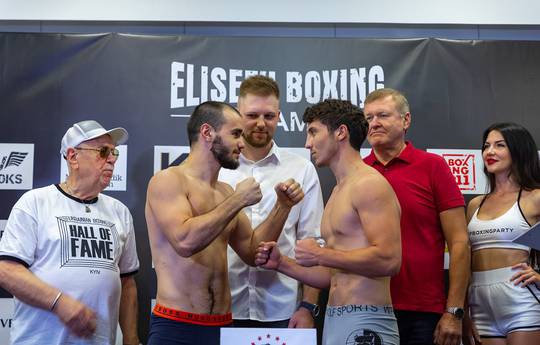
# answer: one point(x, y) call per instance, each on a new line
point(370, 186)
point(473, 206)
point(532, 197)
point(167, 181)
point(475, 203)
point(370, 178)
point(225, 188)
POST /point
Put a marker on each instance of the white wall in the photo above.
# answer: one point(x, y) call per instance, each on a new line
point(483, 12)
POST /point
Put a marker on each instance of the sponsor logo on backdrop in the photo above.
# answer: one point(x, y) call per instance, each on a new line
point(467, 168)
point(2, 227)
point(16, 166)
point(193, 84)
point(166, 156)
point(119, 178)
point(6, 319)
point(364, 152)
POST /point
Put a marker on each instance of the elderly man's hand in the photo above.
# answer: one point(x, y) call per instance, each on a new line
point(78, 318)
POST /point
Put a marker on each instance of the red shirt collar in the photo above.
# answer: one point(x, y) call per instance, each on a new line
point(406, 155)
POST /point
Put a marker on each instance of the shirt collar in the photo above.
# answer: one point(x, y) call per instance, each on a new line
point(406, 155)
point(274, 153)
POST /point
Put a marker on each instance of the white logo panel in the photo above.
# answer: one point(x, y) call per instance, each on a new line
point(16, 166)
point(2, 227)
point(165, 156)
point(467, 167)
point(301, 151)
point(289, 336)
point(364, 152)
point(119, 179)
point(6, 318)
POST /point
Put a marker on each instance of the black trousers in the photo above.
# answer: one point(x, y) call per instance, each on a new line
point(415, 327)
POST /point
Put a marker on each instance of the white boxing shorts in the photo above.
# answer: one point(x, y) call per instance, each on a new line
point(499, 307)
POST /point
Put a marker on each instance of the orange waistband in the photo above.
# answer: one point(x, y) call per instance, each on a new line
point(197, 319)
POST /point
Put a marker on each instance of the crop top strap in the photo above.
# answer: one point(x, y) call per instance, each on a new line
point(481, 203)
point(519, 206)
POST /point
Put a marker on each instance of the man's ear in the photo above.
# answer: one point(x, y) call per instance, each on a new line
point(71, 158)
point(342, 132)
point(207, 132)
point(406, 121)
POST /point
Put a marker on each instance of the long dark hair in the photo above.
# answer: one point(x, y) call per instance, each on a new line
point(525, 169)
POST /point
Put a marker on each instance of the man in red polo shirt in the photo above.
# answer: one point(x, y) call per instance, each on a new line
point(432, 212)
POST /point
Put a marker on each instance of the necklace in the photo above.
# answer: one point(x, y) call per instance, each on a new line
point(84, 202)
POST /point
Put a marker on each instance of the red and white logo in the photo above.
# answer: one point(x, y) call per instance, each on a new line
point(467, 168)
point(463, 168)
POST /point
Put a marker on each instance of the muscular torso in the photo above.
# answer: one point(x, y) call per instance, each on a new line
point(342, 229)
point(198, 283)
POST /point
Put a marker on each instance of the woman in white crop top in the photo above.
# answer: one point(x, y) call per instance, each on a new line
point(504, 296)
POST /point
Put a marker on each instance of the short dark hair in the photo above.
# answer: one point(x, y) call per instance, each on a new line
point(524, 153)
point(334, 113)
point(210, 112)
point(259, 85)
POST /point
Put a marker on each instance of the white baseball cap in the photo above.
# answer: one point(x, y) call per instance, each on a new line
point(88, 130)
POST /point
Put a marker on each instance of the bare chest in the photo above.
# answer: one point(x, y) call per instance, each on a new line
point(203, 200)
point(340, 221)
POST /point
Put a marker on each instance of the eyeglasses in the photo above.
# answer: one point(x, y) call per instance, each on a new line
point(104, 151)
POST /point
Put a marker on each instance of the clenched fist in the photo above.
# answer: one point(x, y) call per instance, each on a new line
point(289, 193)
point(249, 190)
point(268, 255)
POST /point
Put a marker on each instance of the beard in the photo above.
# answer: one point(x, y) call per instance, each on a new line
point(252, 141)
point(223, 155)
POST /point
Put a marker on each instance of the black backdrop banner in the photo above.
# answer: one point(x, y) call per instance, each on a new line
point(150, 84)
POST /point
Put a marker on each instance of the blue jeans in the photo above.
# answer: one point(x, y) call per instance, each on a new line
point(416, 327)
point(168, 332)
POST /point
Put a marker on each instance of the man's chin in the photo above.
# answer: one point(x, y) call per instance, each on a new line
point(230, 165)
point(376, 141)
point(257, 143)
point(105, 182)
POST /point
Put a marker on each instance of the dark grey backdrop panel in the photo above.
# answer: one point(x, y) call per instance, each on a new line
point(49, 81)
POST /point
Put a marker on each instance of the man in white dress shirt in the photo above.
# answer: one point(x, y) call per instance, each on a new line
point(262, 298)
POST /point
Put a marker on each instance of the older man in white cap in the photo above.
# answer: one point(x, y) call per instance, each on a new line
point(68, 252)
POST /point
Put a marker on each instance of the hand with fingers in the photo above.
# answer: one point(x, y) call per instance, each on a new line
point(306, 252)
point(268, 255)
point(80, 319)
point(525, 276)
point(301, 318)
point(448, 331)
point(470, 332)
point(289, 193)
point(249, 190)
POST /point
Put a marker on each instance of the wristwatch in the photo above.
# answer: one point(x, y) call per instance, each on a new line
point(456, 311)
point(313, 308)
